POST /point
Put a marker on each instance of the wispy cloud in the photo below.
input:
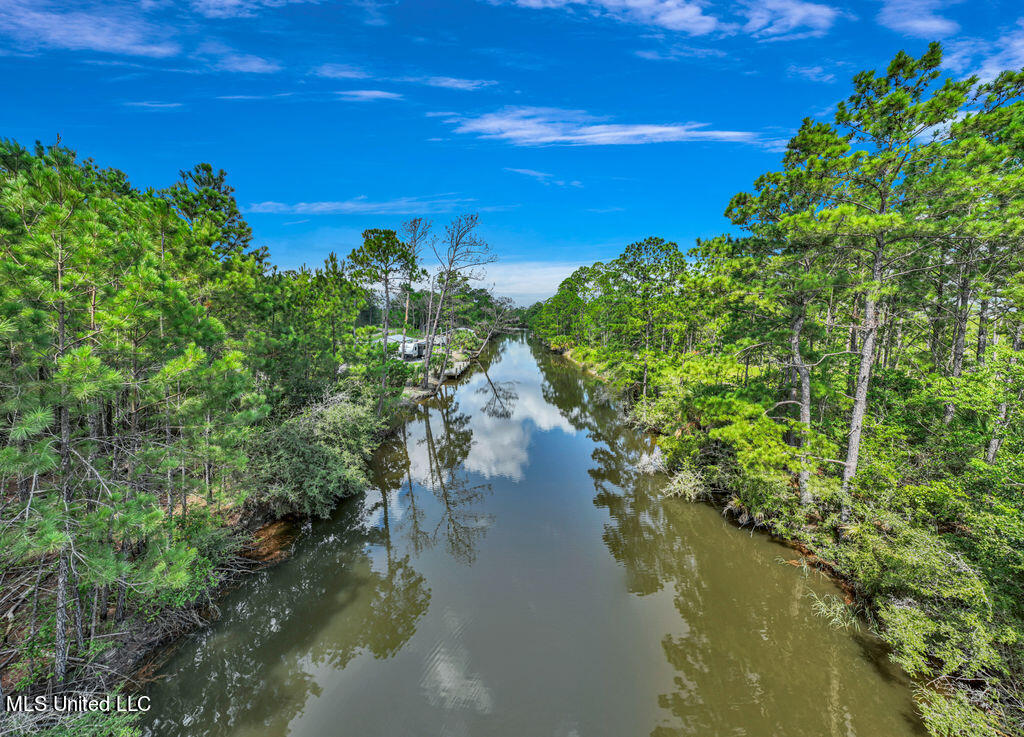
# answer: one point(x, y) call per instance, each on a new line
point(368, 95)
point(813, 74)
point(255, 97)
point(788, 20)
point(919, 18)
point(365, 206)
point(340, 71)
point(350, 71)
point(154, 105)
point(545, 178)
point(987, 58)
point(247, 63)
point(221, 57)
point(115, 29)
point(679, 51)
point(764, 19)
point(675, 15)
point(237, 8)
point(373, 11)
point(539, 126)
point(451, 83)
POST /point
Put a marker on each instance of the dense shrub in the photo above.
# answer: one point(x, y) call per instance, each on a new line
point(311, 460)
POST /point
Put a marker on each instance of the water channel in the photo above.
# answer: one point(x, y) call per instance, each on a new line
point(516, 574)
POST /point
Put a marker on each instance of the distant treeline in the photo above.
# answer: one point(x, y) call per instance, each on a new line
point(849, 374)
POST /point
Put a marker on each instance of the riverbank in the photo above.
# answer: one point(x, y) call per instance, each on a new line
point(262, 533)
point(951, 705)
point(461, 363)
point(135, 647)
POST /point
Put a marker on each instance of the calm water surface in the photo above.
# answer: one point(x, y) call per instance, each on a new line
point(516, 575)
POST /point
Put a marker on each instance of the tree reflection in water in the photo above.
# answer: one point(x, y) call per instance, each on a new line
point(502, 396)
point(460, 525)
point(356, 594)
point(745, 683)
point(346, 606)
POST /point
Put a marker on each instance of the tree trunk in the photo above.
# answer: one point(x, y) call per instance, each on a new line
point(405, 321)
point(448, 344)
point(647, 349)
point(804, 375)
point(982, 332)
point(384, 351)
point(959, 336)
point(996, 440)
point(433, 332)
point(64, 418)
point(938, 322)
point(860, 397)
point(169, 481)
point(60, 659)
point(79, 609)
point(851, 343)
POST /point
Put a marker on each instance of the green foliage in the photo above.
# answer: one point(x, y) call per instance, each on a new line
point(952, 715)
point(850, 373)
point(162, 378)
point(89, 724)
point(307, 463)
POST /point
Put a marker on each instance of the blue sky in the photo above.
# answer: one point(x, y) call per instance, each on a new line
point(573, 127)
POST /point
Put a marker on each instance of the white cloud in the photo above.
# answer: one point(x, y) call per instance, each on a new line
point(918, 18)
point(364, 206)
point(154, 105)
point(545, 178)
point(248, 63)
point(255, 97)
point(221, 57)
point(764, 19)
point(237, 8)
point(368, 95)
point(348, 71)
point(373, 13)
point(113, 29)
point(987, 59)
point(674, 15)
point(340, 71)
point(528, 281)
point(813, 74)
point(539, 126)
point(785, 20)
point(449, 684)
point(674, 53)
point(451, 83)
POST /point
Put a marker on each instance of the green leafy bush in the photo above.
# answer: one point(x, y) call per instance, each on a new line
point(307, 463)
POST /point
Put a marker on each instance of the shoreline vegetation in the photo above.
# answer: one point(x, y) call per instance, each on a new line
point(168, 394)
point(848, 375)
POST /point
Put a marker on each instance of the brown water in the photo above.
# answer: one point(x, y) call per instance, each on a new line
point(518, 576)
